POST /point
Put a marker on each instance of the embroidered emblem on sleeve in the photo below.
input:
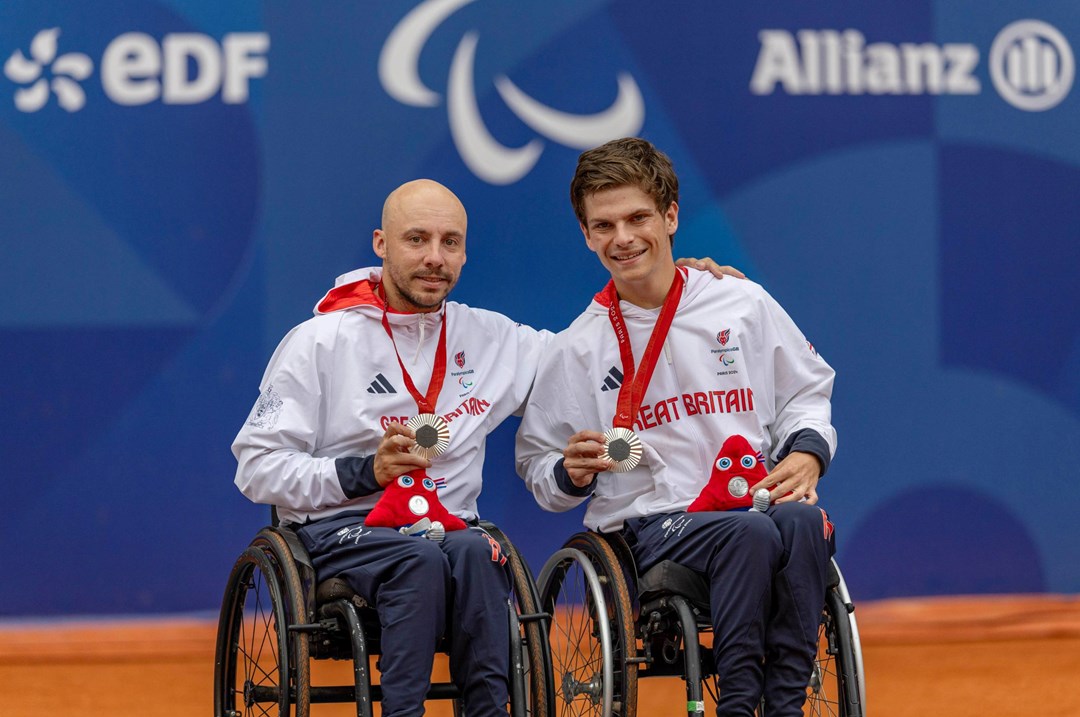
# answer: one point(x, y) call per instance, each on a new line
point(267, 409)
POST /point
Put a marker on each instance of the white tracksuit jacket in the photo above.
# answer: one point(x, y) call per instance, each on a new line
point(334, 383)
point(733, 363)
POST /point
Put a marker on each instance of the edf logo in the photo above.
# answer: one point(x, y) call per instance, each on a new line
point(184, 69)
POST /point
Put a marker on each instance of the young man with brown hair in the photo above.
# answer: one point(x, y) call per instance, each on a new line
point(698, 361)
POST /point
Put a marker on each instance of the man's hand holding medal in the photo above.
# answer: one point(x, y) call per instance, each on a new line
point(619, 449)
point(395, 455)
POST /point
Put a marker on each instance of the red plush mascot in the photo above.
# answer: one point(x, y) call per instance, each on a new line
point(412, 502)
point(736, 469)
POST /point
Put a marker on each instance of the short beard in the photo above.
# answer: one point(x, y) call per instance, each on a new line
point(410, 298)
point(416, 302)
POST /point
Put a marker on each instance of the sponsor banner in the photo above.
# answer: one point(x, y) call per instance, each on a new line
point(185, 178)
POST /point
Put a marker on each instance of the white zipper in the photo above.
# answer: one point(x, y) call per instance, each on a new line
point(420, 343)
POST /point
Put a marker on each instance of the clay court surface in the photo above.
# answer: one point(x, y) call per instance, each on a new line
point(1014, 656)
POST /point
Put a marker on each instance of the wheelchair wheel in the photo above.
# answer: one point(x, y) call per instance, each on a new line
point(535, 666)
point(593, 648)
point(261, 667)
point(836, 687)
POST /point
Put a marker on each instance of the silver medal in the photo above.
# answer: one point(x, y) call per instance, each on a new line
point(622, 446)
point(418, 505)
point(432, 434)
point(738, 487)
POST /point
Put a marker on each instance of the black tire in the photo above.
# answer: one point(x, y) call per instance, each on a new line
point(297, 612)
point(526, 599)
point(576, 580)
point(251, 668)
point(835, 688)
point(261, 666)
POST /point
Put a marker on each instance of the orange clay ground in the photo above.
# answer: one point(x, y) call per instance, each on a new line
point(1014, 656)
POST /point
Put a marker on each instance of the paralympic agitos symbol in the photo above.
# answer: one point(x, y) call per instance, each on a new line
point(489, 159)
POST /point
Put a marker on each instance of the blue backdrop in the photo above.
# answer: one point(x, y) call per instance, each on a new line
point(183, 179)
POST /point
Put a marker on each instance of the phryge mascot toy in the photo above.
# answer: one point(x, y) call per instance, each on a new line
point(736, 469)
point(411, 504)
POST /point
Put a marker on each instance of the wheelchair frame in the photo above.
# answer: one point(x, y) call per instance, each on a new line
point(275, 619)
point(602, 610)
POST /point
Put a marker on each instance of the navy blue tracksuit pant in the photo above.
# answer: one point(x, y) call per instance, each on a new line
point(766, 575)
point(421, 590)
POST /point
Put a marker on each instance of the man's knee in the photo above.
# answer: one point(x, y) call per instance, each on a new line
point(751, 541)
point(478, 548)
point(422, 559)
point(802, 519)
point(759, 534)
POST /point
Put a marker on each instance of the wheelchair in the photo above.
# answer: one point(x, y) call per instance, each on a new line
point(611, 626)
point(275, 619)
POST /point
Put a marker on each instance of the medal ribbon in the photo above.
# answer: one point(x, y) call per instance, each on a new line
point(424, 403)
point(635, 382)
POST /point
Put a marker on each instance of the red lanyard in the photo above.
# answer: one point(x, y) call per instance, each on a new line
point(636, 382)
point(425, 403)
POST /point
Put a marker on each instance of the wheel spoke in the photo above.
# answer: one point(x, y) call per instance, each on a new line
point(824, 688)
point(249, 679)
point(591, 630)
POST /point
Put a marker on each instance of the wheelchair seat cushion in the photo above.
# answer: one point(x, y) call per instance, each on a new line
point(669, 578)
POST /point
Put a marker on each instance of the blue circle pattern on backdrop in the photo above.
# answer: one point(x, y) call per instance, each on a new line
point(157, 253)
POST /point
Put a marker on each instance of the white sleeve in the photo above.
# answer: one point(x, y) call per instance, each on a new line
point(551, 417)
point(530, 345)
point(275, 448)
point(803, 380)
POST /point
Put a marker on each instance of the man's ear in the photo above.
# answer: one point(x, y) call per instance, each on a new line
point(378, 243)
point(671, 218)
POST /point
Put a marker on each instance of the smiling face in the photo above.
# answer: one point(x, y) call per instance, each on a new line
point(632, 238)
point(422, 245)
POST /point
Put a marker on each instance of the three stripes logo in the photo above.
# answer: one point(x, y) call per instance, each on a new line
point(381, 385)
point(613, 380)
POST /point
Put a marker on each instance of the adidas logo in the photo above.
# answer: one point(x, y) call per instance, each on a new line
point(381, 385)
point(613, 380)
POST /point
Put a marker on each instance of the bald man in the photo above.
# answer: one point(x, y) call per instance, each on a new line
point(326, 436)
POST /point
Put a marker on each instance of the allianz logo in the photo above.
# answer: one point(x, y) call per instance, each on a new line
point(136, 69)
point(1031, 65)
